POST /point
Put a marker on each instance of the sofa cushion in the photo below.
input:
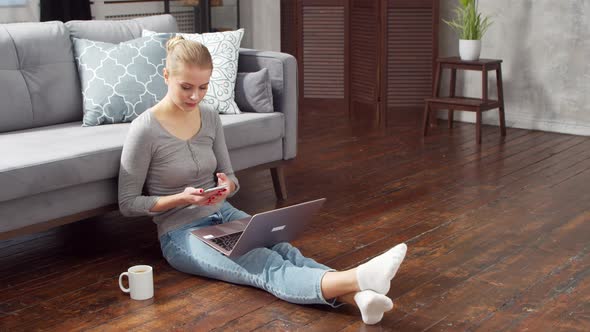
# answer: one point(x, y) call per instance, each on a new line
point(120, 31)
point(49, 158)
point(120, 81)
point(33, 58)
point(252, 128)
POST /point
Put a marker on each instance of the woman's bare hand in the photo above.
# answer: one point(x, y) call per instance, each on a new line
point(196, 196)
point(221, 195)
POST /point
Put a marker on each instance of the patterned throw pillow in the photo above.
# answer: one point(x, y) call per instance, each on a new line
point(225, 49)
point(120, 81)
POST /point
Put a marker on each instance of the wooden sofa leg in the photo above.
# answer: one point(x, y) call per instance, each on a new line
point(278, 181)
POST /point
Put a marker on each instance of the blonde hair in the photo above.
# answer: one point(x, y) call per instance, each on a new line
point(186, 51)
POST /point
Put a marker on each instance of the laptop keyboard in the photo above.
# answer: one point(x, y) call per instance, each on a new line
point(227, 242)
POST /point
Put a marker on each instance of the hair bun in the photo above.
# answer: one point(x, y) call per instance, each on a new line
point(182, 50)
point(172, 42)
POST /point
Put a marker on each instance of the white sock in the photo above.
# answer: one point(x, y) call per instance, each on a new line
point(377, 273)
point(372, 305)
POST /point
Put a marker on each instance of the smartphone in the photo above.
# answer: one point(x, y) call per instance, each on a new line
point(214, 189)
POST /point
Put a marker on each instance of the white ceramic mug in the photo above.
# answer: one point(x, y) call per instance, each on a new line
point(141, 282)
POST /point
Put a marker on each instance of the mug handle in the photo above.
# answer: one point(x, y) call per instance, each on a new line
point(126, 290)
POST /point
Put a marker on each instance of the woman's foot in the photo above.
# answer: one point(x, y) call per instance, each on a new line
point(377, 273)
point(372, 305)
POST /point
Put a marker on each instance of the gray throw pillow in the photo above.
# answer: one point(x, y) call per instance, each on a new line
point(254, 92)
point(120, 81)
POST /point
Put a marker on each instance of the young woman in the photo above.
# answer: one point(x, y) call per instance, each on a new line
point(176, 150)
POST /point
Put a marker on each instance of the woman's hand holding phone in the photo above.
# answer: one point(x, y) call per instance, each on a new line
point(220, 196)
point(199, 196)
point(211, 196)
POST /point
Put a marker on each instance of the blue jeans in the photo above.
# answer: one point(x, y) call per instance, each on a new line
point(280, 270)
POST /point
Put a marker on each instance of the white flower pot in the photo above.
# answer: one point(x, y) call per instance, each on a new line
point(469, 49)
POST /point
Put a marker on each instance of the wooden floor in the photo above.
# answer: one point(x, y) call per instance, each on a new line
point(498, 240)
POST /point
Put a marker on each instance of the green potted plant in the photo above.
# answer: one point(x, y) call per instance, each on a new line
point(471, 26)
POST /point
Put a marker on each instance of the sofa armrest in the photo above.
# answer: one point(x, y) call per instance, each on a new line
point(282, 69)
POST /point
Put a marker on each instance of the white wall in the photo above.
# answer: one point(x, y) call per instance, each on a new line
point(545, 46)
point(27, 13)
point(261, 20)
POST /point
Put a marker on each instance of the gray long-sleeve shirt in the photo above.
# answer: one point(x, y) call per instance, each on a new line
point(156, 163)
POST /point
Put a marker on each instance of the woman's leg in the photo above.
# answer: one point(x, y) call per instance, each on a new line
point(286, 250)
point(261, 267)
point(279, 268)
point(369, 283)
point(334, 284)
point(376, 274)
point(230, 213)
point(338, 283)
point(293, 255)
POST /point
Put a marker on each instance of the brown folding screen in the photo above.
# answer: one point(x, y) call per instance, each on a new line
point(411, 49)
point(322, 40)
point(289, 33)
point(365, 57)
point(371, 58)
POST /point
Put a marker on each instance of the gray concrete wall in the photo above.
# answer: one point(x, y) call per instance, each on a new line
point(261, 20)
point(545, 46)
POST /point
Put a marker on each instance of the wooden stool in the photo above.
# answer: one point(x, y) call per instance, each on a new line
point(477, 105)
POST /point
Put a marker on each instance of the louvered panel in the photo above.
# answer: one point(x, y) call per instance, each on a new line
point(409, 56)
point(364, 52)
point(323, 51)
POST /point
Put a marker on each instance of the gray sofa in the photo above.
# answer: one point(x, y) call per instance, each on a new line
point(54, 171)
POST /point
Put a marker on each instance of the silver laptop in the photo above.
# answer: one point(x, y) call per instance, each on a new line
point(237, 237)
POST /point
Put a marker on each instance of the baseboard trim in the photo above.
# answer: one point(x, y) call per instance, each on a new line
point(524, 122)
